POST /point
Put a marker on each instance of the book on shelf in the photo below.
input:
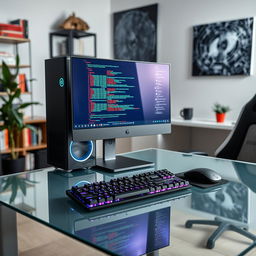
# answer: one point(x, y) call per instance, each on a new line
point(16, 29)
point(8, 58)
point(22, 83)
point(11, 27)
point(24, 24)
point(30, 161)
point(31, 137)
point(4, 140)
point(8, 34)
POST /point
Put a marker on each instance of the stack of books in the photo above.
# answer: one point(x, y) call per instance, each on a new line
point(16, 29)
point(4, 140)
point(8, 58)
point(32, 138)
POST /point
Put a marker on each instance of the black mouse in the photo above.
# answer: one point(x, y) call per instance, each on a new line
point(203, 176)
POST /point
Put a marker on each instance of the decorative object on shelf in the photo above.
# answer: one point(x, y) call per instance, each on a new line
point(220, 112)
point(223, 48)
point(73, 22)
point(72, 43)
point(186, 113)
point(12, 117)
point(135, 34)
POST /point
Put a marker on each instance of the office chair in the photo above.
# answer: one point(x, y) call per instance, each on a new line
point(239, 145)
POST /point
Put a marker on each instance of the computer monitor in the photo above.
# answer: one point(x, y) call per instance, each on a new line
point(115, 99)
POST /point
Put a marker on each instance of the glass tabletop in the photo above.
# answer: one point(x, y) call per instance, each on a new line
point(138, 227)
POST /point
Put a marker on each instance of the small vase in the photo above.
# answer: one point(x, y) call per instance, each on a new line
point(220, 117)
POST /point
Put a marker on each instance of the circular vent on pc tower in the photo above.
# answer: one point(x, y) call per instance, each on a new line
point(81, 151)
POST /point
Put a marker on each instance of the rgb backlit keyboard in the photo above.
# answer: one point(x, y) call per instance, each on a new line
point(126, 189)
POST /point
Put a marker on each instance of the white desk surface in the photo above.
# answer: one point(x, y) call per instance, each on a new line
point(227, 125)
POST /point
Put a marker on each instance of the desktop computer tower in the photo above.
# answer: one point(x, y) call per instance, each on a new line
point(62, 151)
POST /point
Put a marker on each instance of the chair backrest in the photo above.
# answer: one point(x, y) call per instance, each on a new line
point(241, 142)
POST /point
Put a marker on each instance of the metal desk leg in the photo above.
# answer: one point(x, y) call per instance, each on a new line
point(8, 232)
point(154, 253)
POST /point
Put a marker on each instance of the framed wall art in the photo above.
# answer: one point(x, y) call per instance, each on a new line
point(135, 34)
point(223, 48)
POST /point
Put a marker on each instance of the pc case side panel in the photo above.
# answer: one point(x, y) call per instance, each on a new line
point(57, 112)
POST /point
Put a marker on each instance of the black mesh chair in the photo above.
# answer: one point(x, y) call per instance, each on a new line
point(239, 145)
point(241, 142)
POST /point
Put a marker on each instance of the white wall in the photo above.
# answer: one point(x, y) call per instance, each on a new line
point(175, 21)
point(42, 16)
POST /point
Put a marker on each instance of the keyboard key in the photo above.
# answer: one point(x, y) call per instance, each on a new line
point(132, 193)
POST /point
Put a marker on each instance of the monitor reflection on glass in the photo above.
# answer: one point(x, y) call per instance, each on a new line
point(132, 236)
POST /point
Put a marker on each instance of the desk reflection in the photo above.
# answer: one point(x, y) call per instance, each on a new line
point(131, 229)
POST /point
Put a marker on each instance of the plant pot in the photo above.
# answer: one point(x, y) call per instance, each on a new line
point(220, 117)
point(13, 165)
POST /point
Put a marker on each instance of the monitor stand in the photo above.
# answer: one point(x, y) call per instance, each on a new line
point(112, 163)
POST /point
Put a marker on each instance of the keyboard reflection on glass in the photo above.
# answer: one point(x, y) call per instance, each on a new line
point(126, 189)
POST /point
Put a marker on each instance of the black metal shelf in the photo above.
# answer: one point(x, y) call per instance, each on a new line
point(70, 35)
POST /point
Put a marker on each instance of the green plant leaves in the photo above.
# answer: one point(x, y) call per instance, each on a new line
point(31, 127)
point(218, 108)
point(24, 105)
point(7, 76)
point(10, 112)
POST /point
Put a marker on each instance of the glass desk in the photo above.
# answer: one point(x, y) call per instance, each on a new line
point(136, 228)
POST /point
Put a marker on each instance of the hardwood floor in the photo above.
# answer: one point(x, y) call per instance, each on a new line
point(35, 239)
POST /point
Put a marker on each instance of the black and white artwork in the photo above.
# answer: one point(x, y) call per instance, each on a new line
point(135, 34)
point(230, 202)
point(223, 48)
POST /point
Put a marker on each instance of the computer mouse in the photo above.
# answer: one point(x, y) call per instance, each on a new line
point(203, 176)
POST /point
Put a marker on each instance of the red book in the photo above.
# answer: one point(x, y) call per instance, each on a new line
point(11, 32)
point(6, 138)
point(7, 34)
point(22, 82)
point(23, 24)
point(11, 27)
point(29, 137)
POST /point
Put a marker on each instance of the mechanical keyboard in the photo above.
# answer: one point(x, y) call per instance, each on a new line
point(126, 189)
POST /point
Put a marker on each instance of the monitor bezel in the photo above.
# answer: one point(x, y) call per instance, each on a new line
point(118, 131)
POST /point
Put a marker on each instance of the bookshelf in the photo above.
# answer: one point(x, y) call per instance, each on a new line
point(38, 122)
point(16, 42)
point(31, 142)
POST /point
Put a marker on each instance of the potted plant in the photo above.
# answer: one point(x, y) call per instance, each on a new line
point(12, 117)
point(220, 111)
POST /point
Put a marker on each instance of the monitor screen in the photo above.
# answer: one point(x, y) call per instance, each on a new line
point(111, 93)
point(114, 99)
